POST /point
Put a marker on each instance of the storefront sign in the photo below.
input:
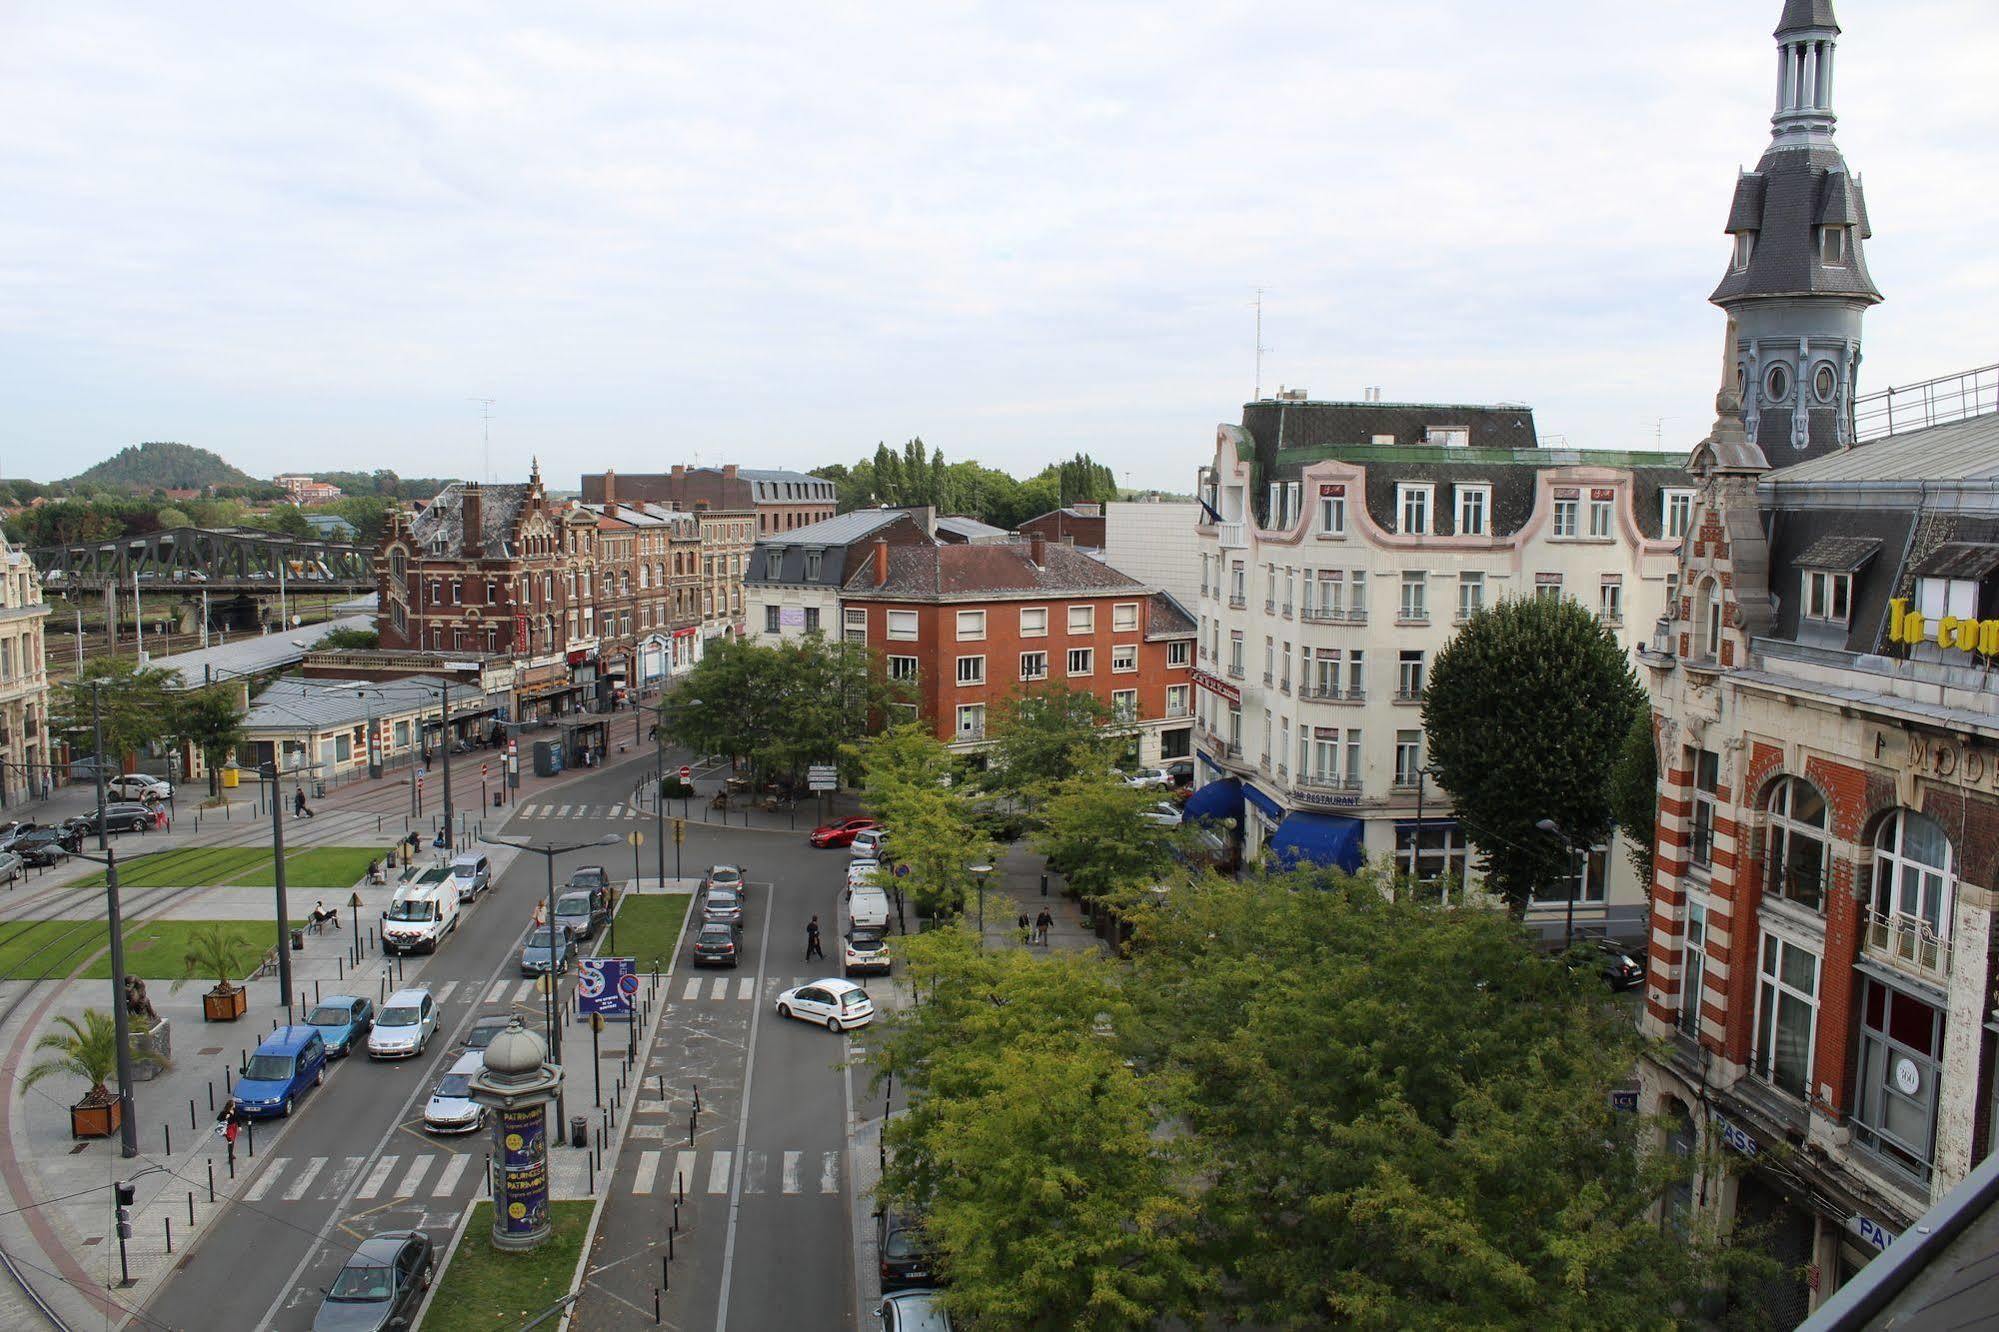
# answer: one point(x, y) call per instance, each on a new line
point(1624, 1100)
point(1870, 1231)
point(1568, 492)
point(1949, 760)
point(791, 617)
point(1733, 1135)
point(1219, 687)
point(1603, 493)
point(1304, 795)
point(1949, 631)
point(1330, 490)
point(523, 1199)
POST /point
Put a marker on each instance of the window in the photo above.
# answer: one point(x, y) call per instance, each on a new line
point(1178, 652)
point(1566, 513)
point(1825, 382)
point(812, 566)
point(1409, 676)
point(1415, 596)
point(1238, 585)
point(1408, 757)
point(1828, 596)
point(1474, 503)
point(1799, 860)
point(1332, 512)
point(1124, 657)
point(774, 563)
point(971, 624)
point(1610, 603)
point(1745, 246)
point(1124, 616)
point(972, 721)
point(1707, 785)
point(1356, 674)
point(1235, 652)
point(1432, 852)
point(811, 619)
point(1412, 504)
point(1034, 621)
point(1124, 705)
point(1832, 245)
point(1787, 999)
point(902, 669)
point(1176, 700)
point(1599, 517)
point(1448, 437)
point(1269, 659)
point(1082, 661)
point(1901, 1061)
point(1707, 621)
point(1777, 383)
point(856, 620)
point(1034, 665)
point(1471, 594)
point(1938, 597)
point(1909, 917)
point(902, 624)
point(1678, 518)
point(1083, 619)
point(770, 619)
point(971, 670)
point(1693, 969)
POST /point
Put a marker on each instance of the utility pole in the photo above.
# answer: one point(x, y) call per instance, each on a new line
point(1260, 348)
point(278, 877)
point(138, 618)
point(444, 753)
point(121, 1021)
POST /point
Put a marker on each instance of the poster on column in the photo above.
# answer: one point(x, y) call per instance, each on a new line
point(524, 1168)
point(606, 985)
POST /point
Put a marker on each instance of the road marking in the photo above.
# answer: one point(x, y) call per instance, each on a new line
point(262, 1186)
point(718, 1172)
point(683, 1168)
point(498, 993)
point(746, 988)
point(693, 990)
point(524, 992)
point(829, 1172)
point(413, 1180)
point(454, 1170)
point(563, 813)
point(755, 1166)
point(790, 1184)
point(305, 1178)
point(742, 1133)
point(445, 993)
point(617, 811)
point(720, 989)
point(648, 1168)
point(377, 1177)
point(343, 1176)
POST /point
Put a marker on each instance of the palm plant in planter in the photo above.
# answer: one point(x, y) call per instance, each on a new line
point(213, 951)
point(89, 1050)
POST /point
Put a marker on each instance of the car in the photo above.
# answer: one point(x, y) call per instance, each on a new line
point(472, 874)
point(484, 1028)
point(451, 1108)
point(905, 1256)
point(865, 950)
point(421, 912)
point(138, 786)
point(1165, 814)
point(344, 1020)
point(405, 1025)
point(866, 874)
point(722, 906)
point(725, 876)
point(916, 1310)
point(589, 876)
point(48, 846)
point(546, 949)
point(15, 832)
point(841, 833)
point(868, 844)
point(715, 945)
point(1148, 778)
point(836, 1004)
point(1621, 965)
point(118, 816)
point(583, 911)
point(10, 866)
point(381, 1286)
point(287, 1062)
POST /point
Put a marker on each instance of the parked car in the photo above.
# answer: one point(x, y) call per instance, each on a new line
point(451, 1108)
point(868, 909)
point(15, 831)
point(725, 876)
point(905, 1255)
point(344, 1020)
point(10, 866)
point(838, 1004)
point(546, 949)
point(484, 1028)
point(865, 874)
point(1165, 814)
point(912, 1311)
point(471, 874)
point(1621, 965)
point(421, 913)
point(722, 906)
point(583, 911)
point(404, 1026)
point(118, 815)
point(48, 846)
point(1146, 778)
point(841, 833)
point(589, 876)
point(381, 1286)
point(287, 1062)
point(865, 950)
point(868, 844)
point(138, 786)
point(715, 945)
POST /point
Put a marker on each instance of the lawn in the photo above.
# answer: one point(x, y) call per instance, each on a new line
point(249, 866)
point(60, 943)
point(317, 867)
point(485, 1289)
point(153, 949)
point(647, 929)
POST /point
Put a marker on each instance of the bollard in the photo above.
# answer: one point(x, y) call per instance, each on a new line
point(669, 1244)
point(232, 1165)
point(167, 1137)
point(190, 1208)
point(665, 1277)
point(191, 1122)
point(250, 1132)
point(301, 1001)
point(655, 1306)
point(676, 1214)
point(590, 1164)
point(697, 1098)
point(662, 1089)
point(170, 1232)
point(242, 1059)
point(211, 1180)
point(679, 1187)
point(211, 1096)
point(315, 998)
point(690, 1128)
point(339, 968)
point(489, 1174)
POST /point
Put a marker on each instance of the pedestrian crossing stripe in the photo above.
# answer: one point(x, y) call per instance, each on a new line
point(419, 1167)
point(295, 1179)
point(648, 1169)
point(379, 1176)
point(304, 1179)
point(445, 992)
point(718, 1172)
point(447, 1181)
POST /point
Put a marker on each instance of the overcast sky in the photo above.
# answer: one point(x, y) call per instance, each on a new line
point(777, 234)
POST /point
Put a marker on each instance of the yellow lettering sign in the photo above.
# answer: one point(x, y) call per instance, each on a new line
point(1966, 635)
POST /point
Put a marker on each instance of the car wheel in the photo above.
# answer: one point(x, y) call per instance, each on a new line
point(784, 1010)
point(287, 1111)
point(319, 1078)
point(833, 1025)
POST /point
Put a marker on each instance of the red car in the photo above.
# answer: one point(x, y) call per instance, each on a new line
point(842, 833)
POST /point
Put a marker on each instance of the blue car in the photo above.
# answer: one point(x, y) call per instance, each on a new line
point(344, 1020)
point(290, 1060)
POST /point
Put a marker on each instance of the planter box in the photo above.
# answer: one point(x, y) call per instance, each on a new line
point(96, 1121)
point(219, 1007)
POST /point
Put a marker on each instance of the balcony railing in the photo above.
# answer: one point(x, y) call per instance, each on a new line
point(1907, 942)
point(1269, 607)
point(972, 732)
point(1318, 694)
point(1287, 610)
point(1803, 884)
point(1232, 536)
point(1268, 679)
point(1409, 696)
point(1284, 685)
point(1235, 671)
point(1332, 615)
point(1237, 601)
point(1328, 782)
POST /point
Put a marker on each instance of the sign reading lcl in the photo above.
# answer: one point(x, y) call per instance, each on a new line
point(1907, 626)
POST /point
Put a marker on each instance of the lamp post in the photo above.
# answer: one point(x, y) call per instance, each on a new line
point(1575, 888)
point(278, 878)
point(444, 747)
point(121, 1025)
point(979, 873)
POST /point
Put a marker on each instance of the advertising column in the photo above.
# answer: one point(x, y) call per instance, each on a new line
point(520, 1212)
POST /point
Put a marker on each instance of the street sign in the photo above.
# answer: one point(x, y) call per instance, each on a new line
point(601, 988)
point(822, 777)
point(686, 773)
point(636, 838)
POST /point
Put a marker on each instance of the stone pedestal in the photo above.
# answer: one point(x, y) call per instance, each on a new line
point(152, 1048)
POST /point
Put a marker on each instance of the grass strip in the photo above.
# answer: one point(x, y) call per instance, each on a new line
point(486, 1288)
point(316, 867)
point(647, 929)
point(157, 949)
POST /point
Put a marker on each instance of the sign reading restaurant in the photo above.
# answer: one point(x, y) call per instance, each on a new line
point(1215, 685)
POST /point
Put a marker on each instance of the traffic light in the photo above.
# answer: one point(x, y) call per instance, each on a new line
point(124, 1193)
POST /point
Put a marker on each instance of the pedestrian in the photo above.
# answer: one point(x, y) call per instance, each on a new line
point(1042, 924)
point(1021, 925)
point(812, 948)
point(426, 758)
point(299, 810)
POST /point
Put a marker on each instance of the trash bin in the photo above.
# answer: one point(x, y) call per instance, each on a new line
point(499, 801)
point(298, 940)
point(231, 775)
point(579, 1131)
point(318, 789)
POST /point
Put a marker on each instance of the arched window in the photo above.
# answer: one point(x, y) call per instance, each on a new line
point(1913, 888)
point(1707, 621)
point(1798, 857)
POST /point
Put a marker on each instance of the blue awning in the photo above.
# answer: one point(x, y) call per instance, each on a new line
point(1318, 839)
point(1216, 800)
point(1271, 809)
point(1207, 762)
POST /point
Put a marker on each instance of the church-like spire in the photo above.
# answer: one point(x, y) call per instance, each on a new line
point(1807, 41)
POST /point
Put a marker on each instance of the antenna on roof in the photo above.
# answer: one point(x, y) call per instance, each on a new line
point(1260, 348)
point(485, 435)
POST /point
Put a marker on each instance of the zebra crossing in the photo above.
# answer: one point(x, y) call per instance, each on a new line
point(443, 1174)
point(886, 991)
point(549, 809)
point(799, 1172)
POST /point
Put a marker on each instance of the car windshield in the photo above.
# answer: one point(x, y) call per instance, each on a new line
point(268, 1068)
point(397, 1017)
point(331, 1015)
point(576, 904)
point(455, 1084)
point(853, 998)
point(865, 943)
point(720, 898)
point(360, 1284)
point(482, 1035)
point(412, 909)
point(465, 868)
point(726, 874)
point(903, 1243)
point(539, 937)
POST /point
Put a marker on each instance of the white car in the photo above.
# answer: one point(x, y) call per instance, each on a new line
point(1150, 777)
point(451, 1108)
point(912, 1311)
point(868, 844)
point(866, 874)
point(10, 867)
point(404, 1026)
point(138, 786)
point(837, 1004)
point(1165, 814)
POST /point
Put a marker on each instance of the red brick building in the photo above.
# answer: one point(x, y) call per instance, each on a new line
point(641, 549)
point(1073, 525)
point(779, 500)
point(968, 625)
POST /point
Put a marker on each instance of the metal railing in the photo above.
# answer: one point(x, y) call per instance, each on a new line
point(1328, 782)
point(1234, 670)
point(1409, 696)
point(1269, 606)
point(1907, 942)
point(1332, 615)
point(1803, 884)
point(1232, 536)
point(1933, 402)
point(1237, 601)
point(1284, 685)
point(1287, 610)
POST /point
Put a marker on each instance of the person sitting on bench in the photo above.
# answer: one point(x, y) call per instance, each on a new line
point(322, 915)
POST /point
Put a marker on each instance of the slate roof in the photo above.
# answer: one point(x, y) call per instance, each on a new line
point(253, 654)
point(297, 703)
point(775, 474)
point(444, 517)
point(1800, 14)
point(1797, 533)
point(977, 572)
point(1839, 554)
point(844, 543)
point(1792, 192)
point(1959, 559)
point(1305, 425)
point(1513, 490)
point(1958, 451)
point(837, 530)
point(1169, 618)
point(970, 529)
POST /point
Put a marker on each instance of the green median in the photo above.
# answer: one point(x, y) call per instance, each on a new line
point(240, 866)
point(154, 950)
point(485, 1288)
point(648, 927)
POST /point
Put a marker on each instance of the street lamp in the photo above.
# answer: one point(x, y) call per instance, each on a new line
point(1575, 888)
point(121, 1026)
point(979, 873)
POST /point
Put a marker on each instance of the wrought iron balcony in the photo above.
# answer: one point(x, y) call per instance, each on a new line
point(1907, 942)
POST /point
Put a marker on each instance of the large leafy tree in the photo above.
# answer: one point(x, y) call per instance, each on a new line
point(1044, 735)
point(138, 705)
point(1092, 831)
point(781, 706)
point(1526, 711)
point(1634, 794)
point(910, 781)
point(208, 719)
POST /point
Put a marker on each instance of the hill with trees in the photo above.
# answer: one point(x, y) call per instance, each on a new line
point(162, 465)
point(918, 474)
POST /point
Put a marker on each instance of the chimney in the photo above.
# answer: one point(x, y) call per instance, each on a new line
point(610, 487)
point(679, 475)
point(610, 505)
point(1037, 549)
point(881, 561)
point(468, 509)
point(728, 471)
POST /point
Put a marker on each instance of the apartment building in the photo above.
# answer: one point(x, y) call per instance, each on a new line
point(639, 614)
point(1156, 542)
point(1071, 525)
point(1341, 546)
point(24, 684)
point(727, 538)
point(778, 500)
point(793, 584)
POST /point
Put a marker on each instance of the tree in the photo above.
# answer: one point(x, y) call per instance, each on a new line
point(910, 781)
point(170, 517)
point(1091, 831)
point(1634, 794)
point(781, 706)
point(1526, 710)
point(1041, 736)
point(283, 519)
point(215, 952)
point(86, 1049)
point(350, 640)
point(138, 705)
point(208, 720)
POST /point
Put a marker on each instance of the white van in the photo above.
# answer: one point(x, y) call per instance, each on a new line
point(867, 909)
point(420, 915)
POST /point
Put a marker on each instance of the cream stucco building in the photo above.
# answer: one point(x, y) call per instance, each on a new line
point(24, 683)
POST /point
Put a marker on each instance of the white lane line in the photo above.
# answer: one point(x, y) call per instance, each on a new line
point(454, 1170)
point(683, 1170)
point(344, 1176)
point(693, 990)
point(377, 1177)
point(746, 988)
point(305, 1178)
point(720, 989)
point(755, 1166)
point(262, 1186)
point(445, 992)
point(498, 993)
point(648, 1169)
point(790, 1184)
point(742, 1133)
point(829, 1172)
point(524, 992)
point(413, 1179)
point(718, 1172)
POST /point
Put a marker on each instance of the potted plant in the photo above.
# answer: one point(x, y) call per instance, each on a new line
point(89, 1049)
point(213, 951)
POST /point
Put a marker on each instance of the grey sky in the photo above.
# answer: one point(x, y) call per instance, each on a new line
point(779, 234)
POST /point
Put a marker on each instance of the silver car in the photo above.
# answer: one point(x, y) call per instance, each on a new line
point(722, 906)
point(912, 1311)
point(451, 1108)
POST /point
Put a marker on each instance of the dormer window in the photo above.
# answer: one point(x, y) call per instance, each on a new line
point(1828, 596)
point(1412, 503)
point(1745, 246)
point(1832, 245)
point(1448, 437)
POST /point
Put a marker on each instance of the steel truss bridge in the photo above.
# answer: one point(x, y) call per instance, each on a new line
point(197, 559)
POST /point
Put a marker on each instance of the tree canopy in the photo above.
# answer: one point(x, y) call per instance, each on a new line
point(1634, 794)
point(781, 706)
point(1091, 830)
point(1042, 735)
point(918, 474)
point(914, 785)
point(138, 705)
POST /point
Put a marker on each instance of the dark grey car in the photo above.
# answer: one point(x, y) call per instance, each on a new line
point(381, 1286)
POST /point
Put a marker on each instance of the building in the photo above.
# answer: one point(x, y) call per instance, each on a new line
point(331, 527)
point(1342, 544)
point(1156, 542)
point(1821, 965)
point(303, 489)
point(779, 500)
point(1072, 525)
point(319, 728)
point(967, 625)
point(794, 579)
point(636, 612)
point(956, 530)
point(24, 681)
point(727, 538)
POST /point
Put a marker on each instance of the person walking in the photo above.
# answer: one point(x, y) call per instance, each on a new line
point(812, 948)
point(1042, 924)
point(299, 810)
point(1020, 926)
